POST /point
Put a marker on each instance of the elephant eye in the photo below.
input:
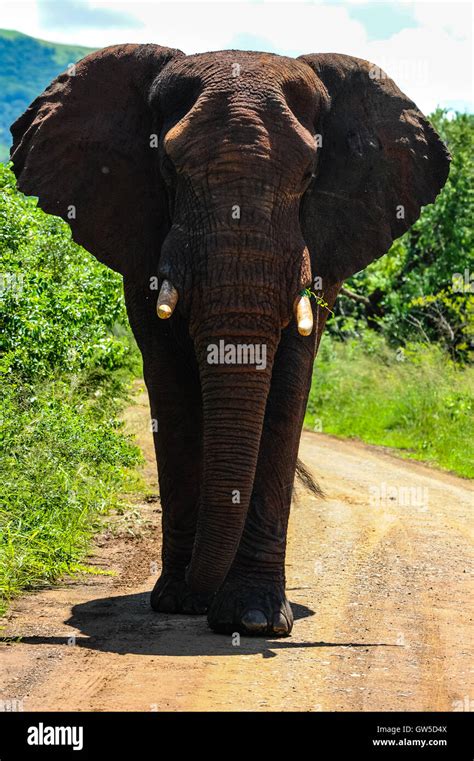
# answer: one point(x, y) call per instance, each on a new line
point(309, 176)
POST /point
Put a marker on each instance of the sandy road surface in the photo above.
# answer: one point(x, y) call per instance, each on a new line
point(379, 580)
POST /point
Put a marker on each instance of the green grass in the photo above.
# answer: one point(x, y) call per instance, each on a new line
point(65, 462)
point(416, 401)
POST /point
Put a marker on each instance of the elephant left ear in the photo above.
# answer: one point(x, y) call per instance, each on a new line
point(85, 148)
point(380, 162)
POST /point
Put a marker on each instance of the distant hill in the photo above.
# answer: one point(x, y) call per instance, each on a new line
point(27, 66)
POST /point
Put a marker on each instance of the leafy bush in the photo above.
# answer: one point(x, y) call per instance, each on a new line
point(66, 358)
point(423, 289)
point(60, 309)
point(63, 461)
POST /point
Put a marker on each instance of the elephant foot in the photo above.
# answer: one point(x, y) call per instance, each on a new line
point(171, 595)
point(250, 608)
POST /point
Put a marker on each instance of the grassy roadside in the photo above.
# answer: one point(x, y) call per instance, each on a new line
point(415, 400)
point(66, 364)
point(66, 462)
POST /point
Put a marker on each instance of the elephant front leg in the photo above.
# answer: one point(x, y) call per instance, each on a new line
point(252, 599)
point(177, 448)
point(175, 403)
point(172, 380)
point(178, 451)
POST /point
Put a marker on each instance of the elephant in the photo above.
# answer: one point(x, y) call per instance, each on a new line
point(235, 191)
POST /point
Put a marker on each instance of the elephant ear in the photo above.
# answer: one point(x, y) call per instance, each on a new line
point(380, 162)
point(83, 147)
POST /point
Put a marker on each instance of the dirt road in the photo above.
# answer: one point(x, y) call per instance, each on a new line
point(378, 575)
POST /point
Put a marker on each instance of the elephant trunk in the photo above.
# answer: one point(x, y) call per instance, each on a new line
point(234, 398)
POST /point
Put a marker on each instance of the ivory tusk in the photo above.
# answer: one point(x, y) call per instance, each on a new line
point(304, 315)
point(167, 300)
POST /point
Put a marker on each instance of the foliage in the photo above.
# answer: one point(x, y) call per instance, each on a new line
point(59, 308)
point(64, 459)
point(414, 399)
point(423, 288)
point(66, 358)
point(392, 368)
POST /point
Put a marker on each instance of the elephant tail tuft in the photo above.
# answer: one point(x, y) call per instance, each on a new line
point(307, 481)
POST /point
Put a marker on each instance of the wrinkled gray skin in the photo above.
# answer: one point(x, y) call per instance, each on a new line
point(240, 178)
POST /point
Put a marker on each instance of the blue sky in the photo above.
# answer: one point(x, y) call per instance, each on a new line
point(425, 46)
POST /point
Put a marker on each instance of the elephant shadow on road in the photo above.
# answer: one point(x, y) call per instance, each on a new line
point(125, 624)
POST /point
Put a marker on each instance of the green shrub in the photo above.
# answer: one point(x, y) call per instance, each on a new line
point(64, 460)
point(423, 289)
point(66, 359)
point(60, 310)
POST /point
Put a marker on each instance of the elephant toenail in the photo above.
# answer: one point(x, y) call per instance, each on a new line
point(254, 621)
point(281, 625)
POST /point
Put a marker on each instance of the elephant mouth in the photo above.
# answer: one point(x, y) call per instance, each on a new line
point(217, 267)
point(168, 299)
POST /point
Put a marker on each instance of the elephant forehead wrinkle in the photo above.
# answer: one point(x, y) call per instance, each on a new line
point(246, 123)
point(240, 126)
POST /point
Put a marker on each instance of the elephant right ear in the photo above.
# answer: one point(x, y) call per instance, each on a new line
point(84, 148)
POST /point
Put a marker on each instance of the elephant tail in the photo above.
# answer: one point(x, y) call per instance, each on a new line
point(307, 481)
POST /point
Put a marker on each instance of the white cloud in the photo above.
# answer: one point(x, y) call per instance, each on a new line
point(431, 63)
point(428, 64)
point(21, 16)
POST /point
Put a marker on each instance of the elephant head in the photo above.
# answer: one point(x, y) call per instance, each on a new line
point(238, 178)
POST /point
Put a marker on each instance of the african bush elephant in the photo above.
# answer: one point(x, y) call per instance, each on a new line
point(227, 184)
